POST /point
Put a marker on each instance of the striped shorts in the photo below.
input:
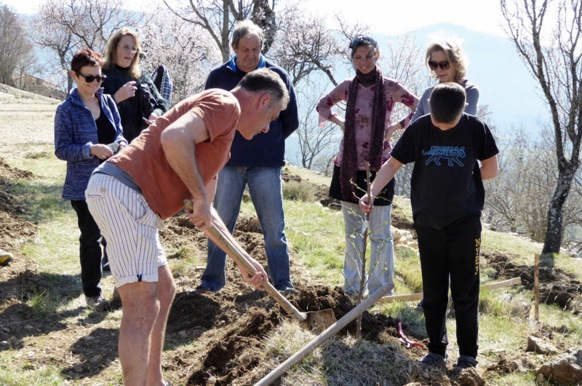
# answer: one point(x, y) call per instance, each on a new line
point(130, 227)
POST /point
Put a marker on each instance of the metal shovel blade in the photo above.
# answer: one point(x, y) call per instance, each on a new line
point(319, 321)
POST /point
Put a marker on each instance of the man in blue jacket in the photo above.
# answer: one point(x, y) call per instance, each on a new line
point(256, 163)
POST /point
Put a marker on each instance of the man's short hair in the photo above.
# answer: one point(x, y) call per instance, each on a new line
point(447, 102)
point(268, 81)
point(246, 27)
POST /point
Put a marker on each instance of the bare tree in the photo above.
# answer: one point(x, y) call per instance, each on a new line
point(181, 46)
point(517, 200)
point(316, 145)
point(552, 53)
point(306, 44)
point(403, 61)
point(64, 26)
point(13, 44)
point(218, 17)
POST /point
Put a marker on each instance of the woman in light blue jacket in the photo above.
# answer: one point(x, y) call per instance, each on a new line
point(447, 63)
point(87, 132)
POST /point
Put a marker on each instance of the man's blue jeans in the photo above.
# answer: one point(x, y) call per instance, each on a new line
point(266, 192)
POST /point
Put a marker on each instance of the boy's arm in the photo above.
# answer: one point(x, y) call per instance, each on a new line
point(385, 174)
point(489, 168)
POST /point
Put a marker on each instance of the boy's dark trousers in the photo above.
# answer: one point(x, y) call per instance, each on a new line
point(89, 249)
point(451, 253)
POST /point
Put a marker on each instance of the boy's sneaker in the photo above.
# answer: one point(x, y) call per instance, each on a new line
point(464, 362)
point(434, 360)
point(98, 303)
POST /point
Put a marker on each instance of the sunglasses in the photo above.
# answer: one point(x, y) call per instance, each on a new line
point(443, 64)
point(91, 78)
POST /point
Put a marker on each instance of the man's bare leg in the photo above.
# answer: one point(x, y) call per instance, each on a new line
point(140, 311)
point(166, 292)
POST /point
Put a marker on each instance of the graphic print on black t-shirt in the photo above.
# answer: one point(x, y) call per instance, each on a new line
point(452, 154)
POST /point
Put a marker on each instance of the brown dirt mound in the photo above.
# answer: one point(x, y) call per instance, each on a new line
point(13, 229)
point(232, 327)
point(556, 286)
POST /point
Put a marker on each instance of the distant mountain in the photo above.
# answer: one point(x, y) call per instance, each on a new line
point(505, 84)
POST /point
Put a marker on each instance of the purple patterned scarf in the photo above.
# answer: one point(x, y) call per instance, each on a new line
point(349, 162)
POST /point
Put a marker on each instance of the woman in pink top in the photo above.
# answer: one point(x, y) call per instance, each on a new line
point(367, 128)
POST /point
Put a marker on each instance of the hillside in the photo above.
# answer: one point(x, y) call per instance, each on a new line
point(235, 337)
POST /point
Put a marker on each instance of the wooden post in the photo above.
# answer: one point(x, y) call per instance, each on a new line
point(537, 288)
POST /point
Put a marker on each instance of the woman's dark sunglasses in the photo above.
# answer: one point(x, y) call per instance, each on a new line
point(444, 64)
point(91, 78)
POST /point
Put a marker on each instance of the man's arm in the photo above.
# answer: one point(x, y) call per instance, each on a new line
point(260, 277)
point(178, 141)
point(489, 168)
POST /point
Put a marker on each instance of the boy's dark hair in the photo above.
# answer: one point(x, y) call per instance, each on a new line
point(86, 57)
point(264, 80)
point(447, 102)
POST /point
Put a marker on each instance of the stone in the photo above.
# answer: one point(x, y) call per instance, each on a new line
point(469, 377)
point(540, 346)
point(565, 369)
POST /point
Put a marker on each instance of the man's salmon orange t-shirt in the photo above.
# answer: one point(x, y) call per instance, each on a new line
point(144, 159)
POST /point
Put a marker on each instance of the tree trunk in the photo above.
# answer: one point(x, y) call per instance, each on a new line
point(224, 45)
point(554, 229)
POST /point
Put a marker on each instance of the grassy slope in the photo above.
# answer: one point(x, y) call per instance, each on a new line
point(316, 236)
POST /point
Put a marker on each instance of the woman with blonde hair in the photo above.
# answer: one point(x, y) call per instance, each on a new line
point(447, 63)
point(137, 98)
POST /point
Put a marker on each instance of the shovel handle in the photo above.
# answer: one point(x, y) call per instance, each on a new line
point(232, 250)
point(237, 256)
point(321, 338)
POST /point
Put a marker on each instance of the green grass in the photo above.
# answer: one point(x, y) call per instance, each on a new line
point(25, 375)
point(316, 235)
point(316, 238)
point(523, 249)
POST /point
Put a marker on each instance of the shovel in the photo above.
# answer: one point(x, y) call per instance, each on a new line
point(317, 320)
point(325, 335)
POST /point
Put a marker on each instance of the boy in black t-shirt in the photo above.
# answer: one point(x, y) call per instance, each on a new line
point(452, 153)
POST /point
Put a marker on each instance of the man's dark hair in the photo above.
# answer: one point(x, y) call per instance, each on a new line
point(264, 80)
point(447, 102)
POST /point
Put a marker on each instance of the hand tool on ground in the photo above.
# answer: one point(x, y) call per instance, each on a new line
point(328, 333)
point(418, 296)
point(316, 320)
point(408, 343)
